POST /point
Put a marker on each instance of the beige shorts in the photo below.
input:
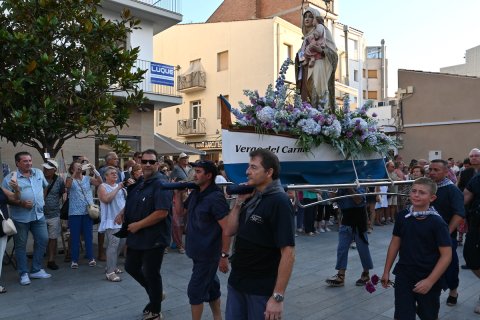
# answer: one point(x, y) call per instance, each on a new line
point(392, 201)
point(53, 227)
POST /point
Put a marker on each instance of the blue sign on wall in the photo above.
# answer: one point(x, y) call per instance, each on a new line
point(161, 74)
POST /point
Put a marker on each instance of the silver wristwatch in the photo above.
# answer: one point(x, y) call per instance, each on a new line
point(278, 297)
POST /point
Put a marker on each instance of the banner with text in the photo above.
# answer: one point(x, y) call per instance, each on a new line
point(161, 74)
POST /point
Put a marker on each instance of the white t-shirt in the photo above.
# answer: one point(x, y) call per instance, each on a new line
point(220, 179)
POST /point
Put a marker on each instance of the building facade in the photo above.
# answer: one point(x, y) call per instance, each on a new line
point(238, 55)
point(439, 114)
point(471, 67)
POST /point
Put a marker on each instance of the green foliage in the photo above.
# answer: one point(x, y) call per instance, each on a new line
point(61, 64)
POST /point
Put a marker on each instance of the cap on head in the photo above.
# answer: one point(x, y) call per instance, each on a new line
point(50, 164)
point(183, 155)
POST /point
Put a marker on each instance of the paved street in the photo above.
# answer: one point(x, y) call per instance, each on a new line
point(86, 294)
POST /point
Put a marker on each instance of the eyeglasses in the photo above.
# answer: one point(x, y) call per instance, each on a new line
point(152, 162)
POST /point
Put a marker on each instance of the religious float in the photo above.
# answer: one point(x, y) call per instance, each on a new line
point(316, 145)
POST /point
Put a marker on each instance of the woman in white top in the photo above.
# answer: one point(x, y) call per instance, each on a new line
point(112, 200)
point(381, 206)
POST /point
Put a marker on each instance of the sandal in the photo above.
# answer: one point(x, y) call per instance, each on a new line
point(2, 289)
point(113, 277)
point(364, 278)
point(337, 280)
point(153, 316)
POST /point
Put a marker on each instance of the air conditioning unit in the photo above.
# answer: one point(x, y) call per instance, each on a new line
point(381, 104)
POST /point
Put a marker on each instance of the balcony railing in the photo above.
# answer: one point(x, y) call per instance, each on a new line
point(193, 81)
point(171, 5)
point(191, 127)
point(148, 87)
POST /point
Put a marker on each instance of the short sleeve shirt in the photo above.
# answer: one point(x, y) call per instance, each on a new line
point(474, 187)
point(80, 196)
point(31, 188)
point(179, 173)
point(420, 240)
point(147, 197)
point(52, 200)
point(449, 201)
point(257, 246)
point(204, 234)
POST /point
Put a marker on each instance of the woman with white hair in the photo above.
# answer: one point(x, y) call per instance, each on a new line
point(112, 197)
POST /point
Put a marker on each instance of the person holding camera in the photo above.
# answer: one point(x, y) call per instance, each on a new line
point(79, 221)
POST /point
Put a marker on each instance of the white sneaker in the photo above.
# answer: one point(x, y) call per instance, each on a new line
point(24, 279)
point(40, 274)
point(327, 229)
point(330, 222)
point(322, 230)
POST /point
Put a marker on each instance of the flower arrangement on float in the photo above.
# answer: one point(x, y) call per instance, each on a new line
point(282, 110)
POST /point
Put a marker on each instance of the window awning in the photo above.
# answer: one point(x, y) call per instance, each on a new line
point(168, 146)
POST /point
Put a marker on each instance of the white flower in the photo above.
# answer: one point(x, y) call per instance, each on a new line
point(309, 126)
point(267, 114)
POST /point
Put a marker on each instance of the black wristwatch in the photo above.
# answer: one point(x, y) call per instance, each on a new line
point(225, 255)
point(277, 297)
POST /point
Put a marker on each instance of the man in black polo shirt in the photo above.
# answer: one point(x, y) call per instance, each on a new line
point(147, 216)
point(264, 251)
point(207, 217)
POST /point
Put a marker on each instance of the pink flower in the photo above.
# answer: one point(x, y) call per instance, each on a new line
point(374, 279)
point(370, 287)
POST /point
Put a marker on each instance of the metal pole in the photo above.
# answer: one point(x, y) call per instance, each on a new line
point(382, 72)
point(347, 76)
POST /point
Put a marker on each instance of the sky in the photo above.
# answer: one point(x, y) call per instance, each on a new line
point(423, 35)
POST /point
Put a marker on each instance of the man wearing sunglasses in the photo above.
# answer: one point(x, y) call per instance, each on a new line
point(147, 216)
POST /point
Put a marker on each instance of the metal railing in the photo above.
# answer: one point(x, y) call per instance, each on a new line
point(148, 87)
point(192, 126)
point(171, 5)
point(191, 81)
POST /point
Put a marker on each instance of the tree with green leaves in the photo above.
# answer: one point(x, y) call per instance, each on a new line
point(62, 69)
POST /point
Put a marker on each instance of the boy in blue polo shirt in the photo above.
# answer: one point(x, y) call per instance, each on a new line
point(421, 238)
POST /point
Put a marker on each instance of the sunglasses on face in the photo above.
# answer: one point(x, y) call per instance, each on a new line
point(152, 162)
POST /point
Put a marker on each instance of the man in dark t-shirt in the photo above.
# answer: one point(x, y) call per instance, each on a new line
point(147, 216)
point(264, 252)
point(449, 204)
point(207, 217)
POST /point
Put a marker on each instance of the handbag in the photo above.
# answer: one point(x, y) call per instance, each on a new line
point(92, 209)
point(8, 226)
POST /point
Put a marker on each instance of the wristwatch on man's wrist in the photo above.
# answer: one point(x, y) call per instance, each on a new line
point(278, 297)
point(225, 255)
